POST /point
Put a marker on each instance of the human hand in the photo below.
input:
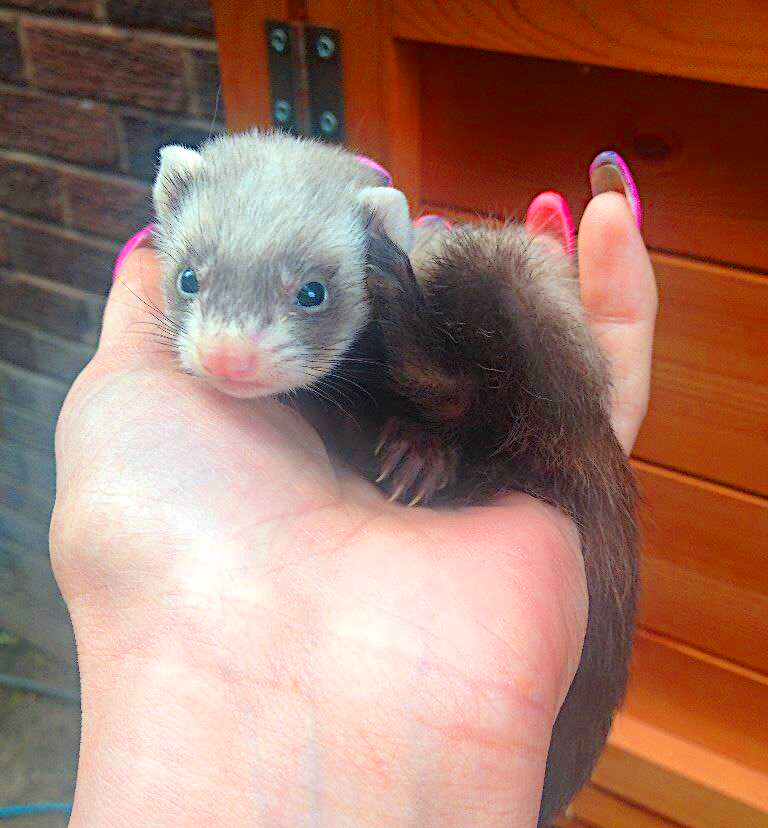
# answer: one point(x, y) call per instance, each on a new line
point(265, 641)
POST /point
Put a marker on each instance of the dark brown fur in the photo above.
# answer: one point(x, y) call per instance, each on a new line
point(495, 385)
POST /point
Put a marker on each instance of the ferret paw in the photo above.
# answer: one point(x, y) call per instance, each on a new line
point(414, 464)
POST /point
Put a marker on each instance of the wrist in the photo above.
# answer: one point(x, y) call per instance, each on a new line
point(203, 736)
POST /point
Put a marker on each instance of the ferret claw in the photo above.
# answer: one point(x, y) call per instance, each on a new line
point(391, 462)
point(416, 499)
point(415, 463)
point(397, 492)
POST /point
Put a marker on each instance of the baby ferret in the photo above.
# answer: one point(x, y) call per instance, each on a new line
point(285, 264)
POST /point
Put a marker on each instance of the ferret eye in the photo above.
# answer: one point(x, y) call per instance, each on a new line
point(311, 295)
point(187, 282)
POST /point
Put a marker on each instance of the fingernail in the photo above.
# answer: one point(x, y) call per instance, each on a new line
point(431, 218)
point(135, 241)
point(548, 214)
point(610, 173)
point(376, 167)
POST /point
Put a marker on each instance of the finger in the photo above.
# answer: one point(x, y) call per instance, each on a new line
point(136, 332)
point(618, 291)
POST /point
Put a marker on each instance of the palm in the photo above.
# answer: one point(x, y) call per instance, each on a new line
point(405, 648)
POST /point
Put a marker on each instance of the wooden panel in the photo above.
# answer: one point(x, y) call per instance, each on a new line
point(705, 568)
point(707, 39)
point(497, 129)
point(701, 698)
point(381, 94)
point(600, 809)
point(243, 58)
point(675, 778)
point(710, 374)
point(360, 23)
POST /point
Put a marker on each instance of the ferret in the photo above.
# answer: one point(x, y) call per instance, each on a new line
point(286, 266)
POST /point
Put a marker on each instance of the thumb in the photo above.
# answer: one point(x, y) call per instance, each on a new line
point(618, 292)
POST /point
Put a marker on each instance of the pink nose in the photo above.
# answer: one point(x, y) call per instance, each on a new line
point(229, 361)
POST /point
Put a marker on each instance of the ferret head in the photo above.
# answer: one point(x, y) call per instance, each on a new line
point(263, 241)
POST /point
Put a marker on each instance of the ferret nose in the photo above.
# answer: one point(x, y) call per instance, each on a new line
point(229, 361)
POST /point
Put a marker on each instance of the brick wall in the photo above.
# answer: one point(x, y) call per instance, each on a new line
point(89, 89)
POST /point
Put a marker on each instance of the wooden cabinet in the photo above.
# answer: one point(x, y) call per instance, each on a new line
point(475, 107)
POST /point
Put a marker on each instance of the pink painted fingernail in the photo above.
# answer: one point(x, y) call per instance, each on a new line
point(610, 173)
point(549, 215)
point(432, 218)
point(376, 167)
point(135, 241)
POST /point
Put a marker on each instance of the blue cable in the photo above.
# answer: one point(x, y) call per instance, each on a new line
point(36, 808)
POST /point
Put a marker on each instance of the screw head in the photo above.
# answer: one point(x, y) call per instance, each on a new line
point(329, 123)
point(278, 39)
point(282, 111)
point(325, 47)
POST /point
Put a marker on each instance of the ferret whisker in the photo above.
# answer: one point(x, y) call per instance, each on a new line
point(356, 385)
point(369, 361)
point(215, 111)
point(326, 396)
point(160, 319)
point(329, 386)
point(152, 330)
point(159, 335)
point(155, 312)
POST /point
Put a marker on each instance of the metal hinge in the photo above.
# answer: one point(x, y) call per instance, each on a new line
point(305, 80)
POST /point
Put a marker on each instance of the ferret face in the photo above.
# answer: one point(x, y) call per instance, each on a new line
point(263, 245)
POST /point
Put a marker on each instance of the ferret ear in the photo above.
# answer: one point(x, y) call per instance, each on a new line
point(178, 166)
point(388, 208)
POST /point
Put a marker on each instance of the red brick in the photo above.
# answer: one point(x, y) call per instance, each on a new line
point(29, 188)
point(27, 467)
point(205, 67)
point(144, 136)
point(29, 391)
point(189, 16)
point(11, 62)
point(21, 531)
point(58, 310)
point(34, 350)
point(107, 206)
point(57, 255)
point(83, 132)
point(108, 67)
point(5, 254)
point(75, 8)
point(25, 501)
point(25, 430)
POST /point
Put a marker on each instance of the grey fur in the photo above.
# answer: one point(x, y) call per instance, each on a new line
point(255, 218)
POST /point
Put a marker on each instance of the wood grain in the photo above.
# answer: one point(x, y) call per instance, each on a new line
point(706, 39)
point(242, 47)
point(710, 374)
point(381, 86)
point(705, 565)
point(600, 809)
point(497, 129)
point(361, 25)
point(673, 777)
point(701, 698)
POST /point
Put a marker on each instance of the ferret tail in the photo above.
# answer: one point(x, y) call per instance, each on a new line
point(609, 542)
